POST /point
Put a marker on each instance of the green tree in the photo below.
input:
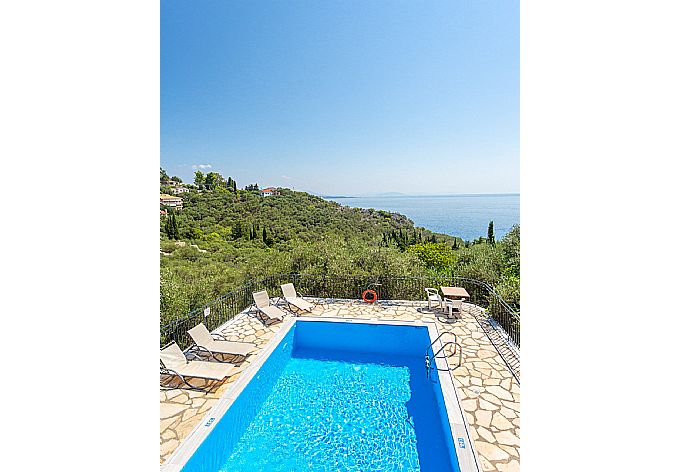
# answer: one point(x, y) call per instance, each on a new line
point(232, 185)
point(213, 180)
point(168, 227)
point(490, 233)
point(199, 178)
point(438, 257)
point(175, 178)
point(164, 175)
point(237, 229)
point(172, 230)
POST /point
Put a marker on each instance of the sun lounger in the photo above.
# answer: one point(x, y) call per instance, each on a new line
point(295, 299)
point(264, 307)
point(204, 341)
point(175, 364)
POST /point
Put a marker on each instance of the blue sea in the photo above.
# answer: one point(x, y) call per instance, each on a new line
point(464, 216)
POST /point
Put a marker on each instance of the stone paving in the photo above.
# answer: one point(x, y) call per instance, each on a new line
point(489, 393)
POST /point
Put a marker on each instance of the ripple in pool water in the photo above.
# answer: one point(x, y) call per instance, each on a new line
point(327, 416)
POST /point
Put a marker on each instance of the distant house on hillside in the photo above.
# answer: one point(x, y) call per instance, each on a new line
point(164, 212)
point(169, 200)
point(174, 187)
point(179, 190)
point(269, 191)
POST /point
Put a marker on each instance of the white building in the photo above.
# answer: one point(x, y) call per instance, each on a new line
point(179, 190)
point(169, 200)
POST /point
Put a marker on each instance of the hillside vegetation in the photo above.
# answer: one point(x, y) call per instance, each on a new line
point(223, 237)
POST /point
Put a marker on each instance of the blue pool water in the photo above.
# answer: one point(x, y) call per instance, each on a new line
point(334, 397)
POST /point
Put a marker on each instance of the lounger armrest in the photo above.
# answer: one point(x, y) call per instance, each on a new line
point(218, 337)
point(195, 349)
point(167, 371)
point(300, 295)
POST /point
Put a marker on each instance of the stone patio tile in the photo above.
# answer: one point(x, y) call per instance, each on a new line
point(169, 446)
point(507, 438)
point(491, 451)
point(500, 392)
point(483, 418)
point(171, 409)
point(512, 466)
point(167, 422)
point(499, 421)
point(469, 405)
point(485, 405)
point(486, 434)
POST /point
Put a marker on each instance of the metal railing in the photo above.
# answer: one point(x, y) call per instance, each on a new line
point(226, 307)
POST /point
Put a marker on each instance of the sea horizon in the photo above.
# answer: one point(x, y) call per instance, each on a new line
point(397, 194)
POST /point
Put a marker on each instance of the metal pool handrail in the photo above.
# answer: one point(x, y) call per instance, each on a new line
point(454, 343)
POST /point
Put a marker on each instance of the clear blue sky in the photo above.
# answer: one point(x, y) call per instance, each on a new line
point(343, 97)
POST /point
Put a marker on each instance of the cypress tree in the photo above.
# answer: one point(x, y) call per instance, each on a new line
point(490, 233)
point(168, 228)
point(455, 244)
point(176, 228)
point(237, 229)
point(264, 236)
point(171, 228)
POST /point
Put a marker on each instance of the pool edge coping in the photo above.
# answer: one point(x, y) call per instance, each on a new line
point(468, 460)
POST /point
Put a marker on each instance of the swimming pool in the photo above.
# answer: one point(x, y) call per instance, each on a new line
point(335, 395)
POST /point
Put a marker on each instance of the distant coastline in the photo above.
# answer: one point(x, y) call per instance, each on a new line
point(466, 216)
point(404, 195)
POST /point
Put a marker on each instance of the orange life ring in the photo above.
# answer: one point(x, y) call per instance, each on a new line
point(368, 292)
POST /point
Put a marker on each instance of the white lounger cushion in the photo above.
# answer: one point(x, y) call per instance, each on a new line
point(174, 359)
point(272, 312)
point(289, 290)
point(207, 370)
point(230, 347)
point(203, 338)
point(290, 295)
point(261, 299)
point(263, 303)
point(300, 303)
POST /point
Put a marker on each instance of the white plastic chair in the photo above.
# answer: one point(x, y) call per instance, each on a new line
point(454, 304)
point(433, 296)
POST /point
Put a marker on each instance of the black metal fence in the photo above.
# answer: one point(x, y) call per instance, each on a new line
point(229, 305)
